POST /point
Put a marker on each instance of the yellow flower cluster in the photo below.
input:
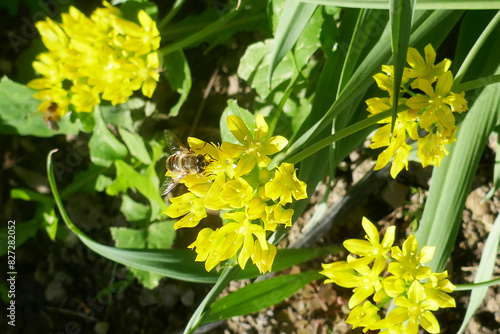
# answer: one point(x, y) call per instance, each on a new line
point(252, 198)
point(89, 59)
point(429, 119)
point(415, 289)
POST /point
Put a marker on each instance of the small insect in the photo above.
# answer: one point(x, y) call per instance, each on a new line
point(50, 116)
point(182, 162)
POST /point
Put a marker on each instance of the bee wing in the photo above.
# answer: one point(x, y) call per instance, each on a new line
point(169, 184)
point(174, 145)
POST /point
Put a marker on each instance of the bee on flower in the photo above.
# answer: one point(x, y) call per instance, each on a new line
point(236, 180)
point(429, 120)
point(104, 57)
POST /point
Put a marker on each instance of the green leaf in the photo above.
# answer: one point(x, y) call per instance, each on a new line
point(484, 273)
point(478, 61)
point(293, 20)
point(309, 40)
point(400, 18)
point(44, 213)
point(30, 195)
point(90, 180)
point(104, 148)
point(234, 109)
point(178, 74)
point(50, 221)
point(213, 26)
point(128, 115)
point(19, 114)
point(421, 4)
point(159, 235)
point(135, 212)
point(255, 66)
point(127, 177)
point(135, 145)
point(260, 295)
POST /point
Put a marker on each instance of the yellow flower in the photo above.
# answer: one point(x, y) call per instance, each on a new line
point(96, 59)
point(431, 111)
point(189, 205)
point(371, 248)
point(285, 184)
point(237, 193)
point(415, 309)
point(409, 261)
point(255, 148)
point(415, 299)
point(223, 243)
point(84, 97)
point(365, 315)
point(425, 69)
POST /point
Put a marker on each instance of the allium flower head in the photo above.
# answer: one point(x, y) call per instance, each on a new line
point(431, 112)
point(251, 197)
point(416, 291)
point(104, 57)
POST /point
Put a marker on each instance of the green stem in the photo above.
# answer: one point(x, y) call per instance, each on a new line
point(211, 29)
point(175, 8)
point(227, 275)
point(340, 135)
point(477, 46)
point(277, 113)
point(478, 83)
point(465, 287)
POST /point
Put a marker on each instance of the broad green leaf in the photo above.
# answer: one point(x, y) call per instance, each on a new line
point(135, 145)
point(127, 177)
point(484, 273)
point(44, 212)
point(421, 4)
point(159, 235)
point(19, 114)
point(234, 109)
point(135, 212)
point(255, 64)
point(451, 182)
point(293, 19)
point(157, 154)
point(260, 295)
point(104, 148)
point(30, 195)
point(309, 40)
point(128, 115)
point(178, 75)
point(90, 180)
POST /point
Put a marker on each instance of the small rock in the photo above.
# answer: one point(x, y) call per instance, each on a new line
point(55, 292)
point(101, 327)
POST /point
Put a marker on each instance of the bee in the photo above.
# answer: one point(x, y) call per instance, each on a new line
point(182, 162)
point(50, 116)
